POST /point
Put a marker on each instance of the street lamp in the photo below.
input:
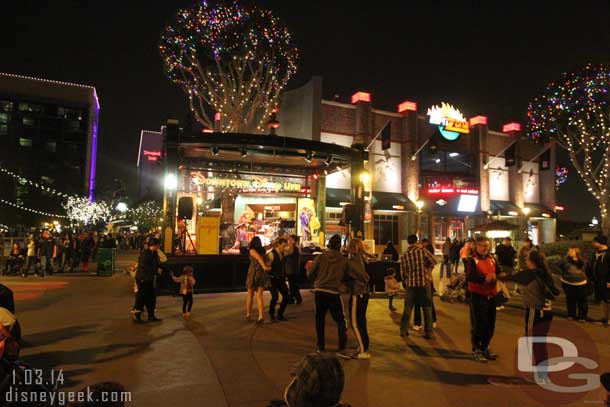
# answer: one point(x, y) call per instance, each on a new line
point(526, 211)
point(122, 207)
point(419, 205)
point(365, 178)
point(171, 182)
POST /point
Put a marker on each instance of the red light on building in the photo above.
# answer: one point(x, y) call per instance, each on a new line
point(478, 120)
point(361, 97)
point(559, 208)
point(217, 117)
point(152, 155)
point(511, 127)
point(406, 106)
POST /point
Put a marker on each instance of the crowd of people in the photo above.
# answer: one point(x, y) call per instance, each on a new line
point(46, 252)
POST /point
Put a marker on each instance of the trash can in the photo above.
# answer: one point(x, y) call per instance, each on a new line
point(106, 259)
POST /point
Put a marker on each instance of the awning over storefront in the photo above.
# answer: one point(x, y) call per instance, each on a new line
point(507, 208)
point(447, 206)
point(383, 201)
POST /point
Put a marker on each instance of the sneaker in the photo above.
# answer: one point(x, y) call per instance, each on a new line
point(417, 327)
point(362, 355)
point(343, 354)
point(582, 320)
point(487, 354)
point(154, 319)
point(478, 356)
point(260, 321)
point(603, 322)
point(281, 318)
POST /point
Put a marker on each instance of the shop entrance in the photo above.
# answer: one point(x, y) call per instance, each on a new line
point(447, 227)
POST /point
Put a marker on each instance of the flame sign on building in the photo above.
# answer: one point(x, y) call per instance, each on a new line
point(450, 121)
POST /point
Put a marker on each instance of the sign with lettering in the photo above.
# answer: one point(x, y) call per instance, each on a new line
point(152, 155)
point(450, 121)
point(253, 184)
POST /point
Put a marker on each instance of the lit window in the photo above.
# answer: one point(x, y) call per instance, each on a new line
point(4, 117)
point(6, 105)
point(28, 121)
point(50, 146)
point(3, 129)
point(25, 142)
point(24, 107)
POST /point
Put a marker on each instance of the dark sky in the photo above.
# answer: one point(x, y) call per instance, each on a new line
point(484, 60)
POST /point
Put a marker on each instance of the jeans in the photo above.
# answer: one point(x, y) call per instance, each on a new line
point(46, 265)
point(295, 293)
point(446, 266)
point(357, 310)
point(576, 300)
point(540, 327)
point(278, 285)
point(482, 321)
point(146, 297)
point(187, 302)
point(330, 302)
point(29, 262)
point(423, 297)
point(417, 314)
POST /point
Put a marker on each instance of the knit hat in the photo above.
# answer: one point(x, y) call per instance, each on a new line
point(318, 382)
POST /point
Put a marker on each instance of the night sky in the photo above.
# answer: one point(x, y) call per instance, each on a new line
point(488, 61)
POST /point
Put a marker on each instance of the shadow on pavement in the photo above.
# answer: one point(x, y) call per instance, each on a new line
point(57, 335)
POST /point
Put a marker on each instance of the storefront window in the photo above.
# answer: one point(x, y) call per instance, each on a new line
point(385, 229)
point(443, 161)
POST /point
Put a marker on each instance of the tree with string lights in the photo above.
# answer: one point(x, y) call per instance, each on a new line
point(83, 212)
point(574, 112)
point(146, 216)
point(232, 62)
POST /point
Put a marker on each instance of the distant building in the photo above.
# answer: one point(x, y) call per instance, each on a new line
point(150, 167)
point(48, 134)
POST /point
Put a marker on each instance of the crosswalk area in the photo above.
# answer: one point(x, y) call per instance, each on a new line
point(29, 290)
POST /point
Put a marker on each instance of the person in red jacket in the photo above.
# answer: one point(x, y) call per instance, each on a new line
point(481, 271)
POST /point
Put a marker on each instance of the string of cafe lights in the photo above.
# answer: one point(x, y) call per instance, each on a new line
point(23, 208)
point(42, 187)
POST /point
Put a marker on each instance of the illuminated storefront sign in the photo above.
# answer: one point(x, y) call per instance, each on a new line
point(450, 121)
point(152, 155)
point(257, 184)
point(450, 186)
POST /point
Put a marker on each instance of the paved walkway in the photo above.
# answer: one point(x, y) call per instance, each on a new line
point(218, 359)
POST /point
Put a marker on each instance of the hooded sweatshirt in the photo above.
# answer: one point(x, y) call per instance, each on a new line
point(357, 277)
point(533, 285)
point(328, 271)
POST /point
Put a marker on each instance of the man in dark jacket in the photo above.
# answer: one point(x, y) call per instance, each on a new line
point(291, 265)
point(600, 274)
point(45, 253)
point(506, 254)
point(148, 266)
point(278, 280)
point(327, 273)
point(390, 249)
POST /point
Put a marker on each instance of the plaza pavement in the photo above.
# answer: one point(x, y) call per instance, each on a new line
point(82, 325)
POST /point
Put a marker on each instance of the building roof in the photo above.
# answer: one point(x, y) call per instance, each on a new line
point(24, 86)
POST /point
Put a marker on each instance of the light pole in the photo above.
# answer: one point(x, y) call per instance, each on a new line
point(420, 205)
point(526, 212)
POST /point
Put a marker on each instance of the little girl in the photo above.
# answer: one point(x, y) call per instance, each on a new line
point(391, 287)
point(187, 282)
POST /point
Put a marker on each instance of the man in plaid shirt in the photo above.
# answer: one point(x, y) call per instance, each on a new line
point(415, 267)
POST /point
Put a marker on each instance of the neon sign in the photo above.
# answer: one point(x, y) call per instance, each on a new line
point(255, 184)
point(152, 155)
point(450, 121)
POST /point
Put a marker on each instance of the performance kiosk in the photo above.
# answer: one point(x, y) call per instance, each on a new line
point(223, 189)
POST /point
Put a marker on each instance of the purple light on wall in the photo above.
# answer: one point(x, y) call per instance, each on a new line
point(93, 147)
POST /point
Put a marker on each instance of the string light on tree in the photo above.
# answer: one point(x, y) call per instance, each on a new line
point(147, 215)
point(574, 112)
point(230, 60)
point(561, 176)
point(83, 212)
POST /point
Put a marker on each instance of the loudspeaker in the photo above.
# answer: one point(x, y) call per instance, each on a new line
point(185, 207)
point(349, 215)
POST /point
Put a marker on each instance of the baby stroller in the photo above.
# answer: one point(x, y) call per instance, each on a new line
point(456, 290)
